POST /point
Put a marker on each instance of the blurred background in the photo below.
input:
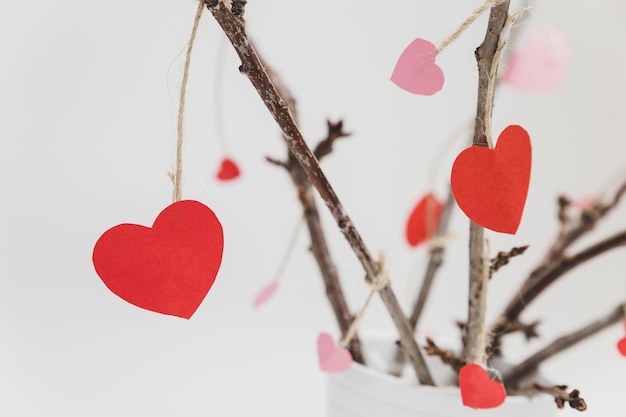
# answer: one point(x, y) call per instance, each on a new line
point(88, 105)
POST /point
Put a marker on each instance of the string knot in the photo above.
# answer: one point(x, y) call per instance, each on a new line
point(380, 280)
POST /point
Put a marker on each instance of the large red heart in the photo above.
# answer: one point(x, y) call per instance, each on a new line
point(621, 346)
point(168, 268)
point(491, 185)
point(416, 71)
point(423, 220)
point(478, 390)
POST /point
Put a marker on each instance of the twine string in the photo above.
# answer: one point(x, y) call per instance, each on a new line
point(178, 174)
point(467, 23)
point(376, 284)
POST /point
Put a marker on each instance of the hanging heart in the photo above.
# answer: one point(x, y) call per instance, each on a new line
point(331, 357)
point(168, 268)
point(478, 390)
point(228, 170)
point(416, 71)
point(621, 345)
point(423, 220)
point(540, 65)
point(491, 185)
point(265, 294)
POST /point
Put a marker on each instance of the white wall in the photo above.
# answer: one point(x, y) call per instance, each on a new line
point(88, 94)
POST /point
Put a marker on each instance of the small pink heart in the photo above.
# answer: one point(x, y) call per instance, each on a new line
point(331, 357)
point(416, 71)
point(265, 294)
point(478, 390)
point(228, 170)
point(540, 64)
point(621, 346)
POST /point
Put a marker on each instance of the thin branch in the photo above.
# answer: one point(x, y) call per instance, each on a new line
point(556, 263)
point(530, 292)
point(325, 147)
point(503, 258)
point(487, 57)
point(513, 375)
point(252, 68)
point(448, 357)
point(561, 396)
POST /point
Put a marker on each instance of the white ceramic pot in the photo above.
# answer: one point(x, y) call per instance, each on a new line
point(368, 392)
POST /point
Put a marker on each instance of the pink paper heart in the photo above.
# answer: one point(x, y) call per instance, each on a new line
point(540, 65)
point(478, 390)
point(228, 170)
point(265, 294)
point(331, 357)
point(416, 71)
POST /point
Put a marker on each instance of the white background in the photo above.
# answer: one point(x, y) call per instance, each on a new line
point(88, 94)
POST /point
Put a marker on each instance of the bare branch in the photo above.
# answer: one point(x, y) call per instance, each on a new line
point(561, 396)
point(253, 69)
point(513, 375)
point(487, 59)
point(503, 258)
point(447, 356)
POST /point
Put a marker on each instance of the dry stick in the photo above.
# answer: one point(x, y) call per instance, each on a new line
point(555, 264)
point(487, 55)
point(513, 375)
point(319, 247)
point(178, 175)
point(252, 68)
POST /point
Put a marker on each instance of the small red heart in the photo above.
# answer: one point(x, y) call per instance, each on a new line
point(416, 71)
point(332, 358)
point(423, 220)
point(491, 186)
point(168, 268)
point(478, 390)
point(228, 170)
point(621, 346)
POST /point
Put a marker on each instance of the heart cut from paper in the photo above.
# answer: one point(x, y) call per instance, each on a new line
point(423, 220)
point(491, 185)
point(540, 65)
point(621, 346)
point(167, 268)
point(478, 390)
point(331, 357)
point(228, 170)
point(265, 294)
point(416, 71)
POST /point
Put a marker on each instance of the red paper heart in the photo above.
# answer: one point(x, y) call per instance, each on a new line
point(621, 346)
point(228, 170)
point(168, 268)
point(416, 71)
point(491, 186)
point(423, 220)
point(478, 390)
point(332, 358)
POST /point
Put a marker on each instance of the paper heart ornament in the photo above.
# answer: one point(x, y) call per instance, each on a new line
point(540, 65)
point(416, 71)
point(228, 170)
point(331, 357)
point(478, 390)
point(423, 220)
point(491, 185)
point(621, 346)
point(167, 268)
point(265, 294)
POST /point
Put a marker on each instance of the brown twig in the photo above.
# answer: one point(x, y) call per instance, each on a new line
point(253, 69)
point(447, 356)
point(549, 276)
point(325, 147)
point(561, 396)
point(503, 258)
point(513, 375)
point(487, 56)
